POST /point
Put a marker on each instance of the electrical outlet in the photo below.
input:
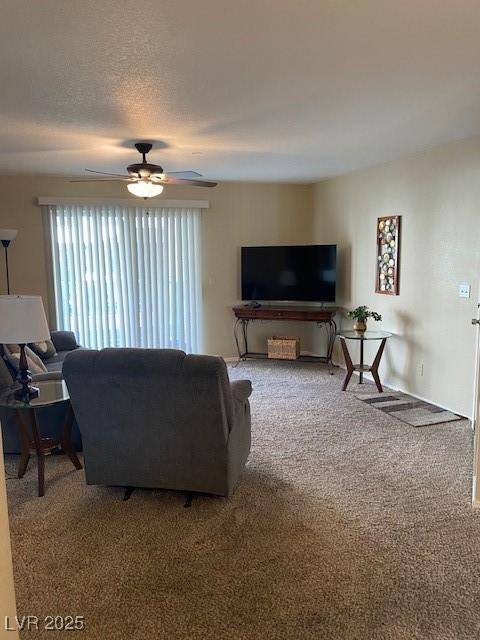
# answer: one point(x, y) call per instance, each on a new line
point(464, 290)
point(420, 369)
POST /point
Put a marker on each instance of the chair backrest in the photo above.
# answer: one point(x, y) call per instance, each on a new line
point(161, 405)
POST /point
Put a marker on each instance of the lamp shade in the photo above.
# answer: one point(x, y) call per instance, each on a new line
point(22, 320)
point(8, 234)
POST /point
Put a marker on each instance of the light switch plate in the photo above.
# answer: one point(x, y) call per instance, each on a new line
point(464, 291)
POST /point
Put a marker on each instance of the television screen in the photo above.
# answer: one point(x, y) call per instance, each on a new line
point(297, 273)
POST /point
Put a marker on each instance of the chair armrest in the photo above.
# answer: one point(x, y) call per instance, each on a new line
point(64, 340)
point(241, 389)
point(49, 375)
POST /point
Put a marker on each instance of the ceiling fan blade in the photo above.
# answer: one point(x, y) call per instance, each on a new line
point(103, 173)
point(183, 174)
point(101, 180)
point(193, 183)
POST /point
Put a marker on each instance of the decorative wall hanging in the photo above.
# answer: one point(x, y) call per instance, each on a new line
point(388, 254)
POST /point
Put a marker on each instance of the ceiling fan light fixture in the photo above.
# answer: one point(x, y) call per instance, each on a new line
point(145, 189)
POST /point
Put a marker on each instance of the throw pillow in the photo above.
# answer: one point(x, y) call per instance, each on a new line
point(45, 350)
point(35, 365)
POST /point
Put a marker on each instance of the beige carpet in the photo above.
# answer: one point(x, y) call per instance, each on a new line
point(347, 524)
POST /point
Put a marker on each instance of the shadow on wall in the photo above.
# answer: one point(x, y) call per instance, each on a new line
point(342, 296)
point(344, 275)
point(412, 349)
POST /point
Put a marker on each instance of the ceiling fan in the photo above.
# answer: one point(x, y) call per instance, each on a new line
point(146, 180)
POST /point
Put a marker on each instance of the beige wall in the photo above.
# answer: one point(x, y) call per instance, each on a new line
point(239, 214)
point(7, 594)
point(437, 193)
point(438, 196)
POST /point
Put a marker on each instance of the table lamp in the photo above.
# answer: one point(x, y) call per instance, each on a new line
point(6, 236)
point(22, 320)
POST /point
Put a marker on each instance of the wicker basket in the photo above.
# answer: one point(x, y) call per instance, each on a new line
point(283, 347)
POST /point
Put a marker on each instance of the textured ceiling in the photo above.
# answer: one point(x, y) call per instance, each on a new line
point(290, 90)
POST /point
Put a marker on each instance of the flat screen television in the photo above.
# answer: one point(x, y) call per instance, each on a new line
point(304, 273)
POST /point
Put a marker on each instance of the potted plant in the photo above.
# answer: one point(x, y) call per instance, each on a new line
point(361, 315)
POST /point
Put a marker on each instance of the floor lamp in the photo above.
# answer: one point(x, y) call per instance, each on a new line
point(6, 236)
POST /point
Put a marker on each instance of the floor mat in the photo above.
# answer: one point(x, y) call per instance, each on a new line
point(414, 412)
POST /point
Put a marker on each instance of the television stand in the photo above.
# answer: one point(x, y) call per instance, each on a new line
point(322, 316)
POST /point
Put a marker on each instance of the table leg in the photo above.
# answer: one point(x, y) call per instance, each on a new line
point(348, 362)
point(332, 333)
point(236, 329)
point(245, 334)
point(37, 442)
point(66, 440)
point(361, 362)
point(241, 327)
point(25, 439)
point(376, 363)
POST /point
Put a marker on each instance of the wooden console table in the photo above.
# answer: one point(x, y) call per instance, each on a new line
point(322, 316)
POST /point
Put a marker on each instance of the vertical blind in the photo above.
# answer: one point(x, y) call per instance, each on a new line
point(127, 276)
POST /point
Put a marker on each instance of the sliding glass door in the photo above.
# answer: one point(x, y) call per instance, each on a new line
point(127, 276)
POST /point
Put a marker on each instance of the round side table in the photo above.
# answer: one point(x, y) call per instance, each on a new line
point(382, 336)
point(50, 392)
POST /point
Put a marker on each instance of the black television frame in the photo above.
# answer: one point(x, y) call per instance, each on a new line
point(248, 299)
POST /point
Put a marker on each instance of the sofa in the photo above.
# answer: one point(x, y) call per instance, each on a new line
point(50, 418)
point(159, 418)
point(64, 342)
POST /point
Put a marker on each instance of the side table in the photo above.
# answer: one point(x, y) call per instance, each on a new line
point(50, 392)
point(362, 367)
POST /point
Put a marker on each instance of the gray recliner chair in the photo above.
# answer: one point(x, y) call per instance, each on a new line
point(159, 418)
